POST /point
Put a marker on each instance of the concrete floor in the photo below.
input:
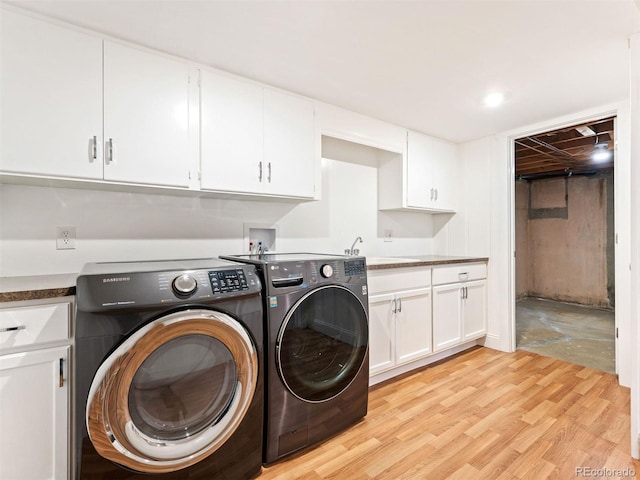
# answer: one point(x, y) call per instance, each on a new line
point(573, 333)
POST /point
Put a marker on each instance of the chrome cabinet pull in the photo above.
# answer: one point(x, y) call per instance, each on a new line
point(61, 384)
point(399, 305)
point(395, 305)
point(431, 198)
point(109, 152)
point(260, 171)
point(94, 148)
point(13, 329)
point(436, 197)
point(269, 174)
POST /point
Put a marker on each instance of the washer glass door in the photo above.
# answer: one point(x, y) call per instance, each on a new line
point(184, 386)
point(173, 392)
point(322, 343)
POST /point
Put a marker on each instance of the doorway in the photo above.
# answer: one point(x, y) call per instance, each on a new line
point(565, 243)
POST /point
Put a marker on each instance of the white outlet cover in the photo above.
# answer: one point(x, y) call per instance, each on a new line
point(66, 237)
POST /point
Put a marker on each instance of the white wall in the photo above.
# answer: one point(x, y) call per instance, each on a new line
point(475, 229)
point(484, 225)
point(117, 226)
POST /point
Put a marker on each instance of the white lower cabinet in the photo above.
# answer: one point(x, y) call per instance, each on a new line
point(447, 324)
point(34, 392)
point(459, 305)
point(34, 414)
point(399, 319)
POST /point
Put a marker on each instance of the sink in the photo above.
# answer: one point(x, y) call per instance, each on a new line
point(386, 260)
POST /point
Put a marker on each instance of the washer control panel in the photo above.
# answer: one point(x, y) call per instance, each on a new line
point(140, 289)
point(223, 281)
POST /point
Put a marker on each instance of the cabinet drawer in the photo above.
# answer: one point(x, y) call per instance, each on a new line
point(31, 325)
point(396, 279)
point(459, 273)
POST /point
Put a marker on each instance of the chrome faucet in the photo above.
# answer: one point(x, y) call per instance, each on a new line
point(352, 250)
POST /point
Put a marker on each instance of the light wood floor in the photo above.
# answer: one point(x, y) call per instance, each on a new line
point(482, 415)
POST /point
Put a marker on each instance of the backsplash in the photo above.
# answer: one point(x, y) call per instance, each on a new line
point(117, 226)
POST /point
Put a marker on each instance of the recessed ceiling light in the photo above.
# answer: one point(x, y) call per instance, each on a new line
point(494, 99)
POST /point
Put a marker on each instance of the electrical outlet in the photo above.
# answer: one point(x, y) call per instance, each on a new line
point(66, 238)
point(388, 235)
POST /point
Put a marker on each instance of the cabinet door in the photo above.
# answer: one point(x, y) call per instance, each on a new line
point(420, 187)
point(231, 135)
point(475, 310)
point(288, 145)
point(444, 164)
point(34, 414)
point(50, 99)
point(447, 316)
point(413, 325)
point(146, 117)
point(381, 333)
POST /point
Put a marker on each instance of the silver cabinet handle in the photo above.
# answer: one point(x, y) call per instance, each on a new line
point(395, 305)
point(13, 329)
point(399, 305)
point(94, 148)
point(109, 151)
point(431, 198)
point(61, 383)
point(436, 198)
point(260, 171)
point(269, 174)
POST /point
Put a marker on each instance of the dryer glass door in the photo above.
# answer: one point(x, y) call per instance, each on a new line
point(172, 392)
point(322, 343)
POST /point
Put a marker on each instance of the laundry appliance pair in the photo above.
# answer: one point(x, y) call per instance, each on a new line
point(180, 364)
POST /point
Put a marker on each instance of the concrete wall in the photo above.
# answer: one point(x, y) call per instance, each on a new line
point(522, 239)
point(564, 245)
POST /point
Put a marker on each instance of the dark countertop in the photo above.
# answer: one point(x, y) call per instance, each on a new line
point(13, 289)
point(423, 261)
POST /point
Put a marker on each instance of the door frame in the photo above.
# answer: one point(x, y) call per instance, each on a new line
point(622, 165)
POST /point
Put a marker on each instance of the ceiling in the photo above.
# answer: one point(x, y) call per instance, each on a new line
point(566, 151)
point(425, 65)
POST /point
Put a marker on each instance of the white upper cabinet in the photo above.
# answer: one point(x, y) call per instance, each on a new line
point(288, 145)
point(146, 117)
point(61, 89)
point(254, 140)
point(231, 124)
point(430, 172)
point(425, 180)
point(50, 100)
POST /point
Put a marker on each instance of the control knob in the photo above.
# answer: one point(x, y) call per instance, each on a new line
point(184, 285)
point(326, 271)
